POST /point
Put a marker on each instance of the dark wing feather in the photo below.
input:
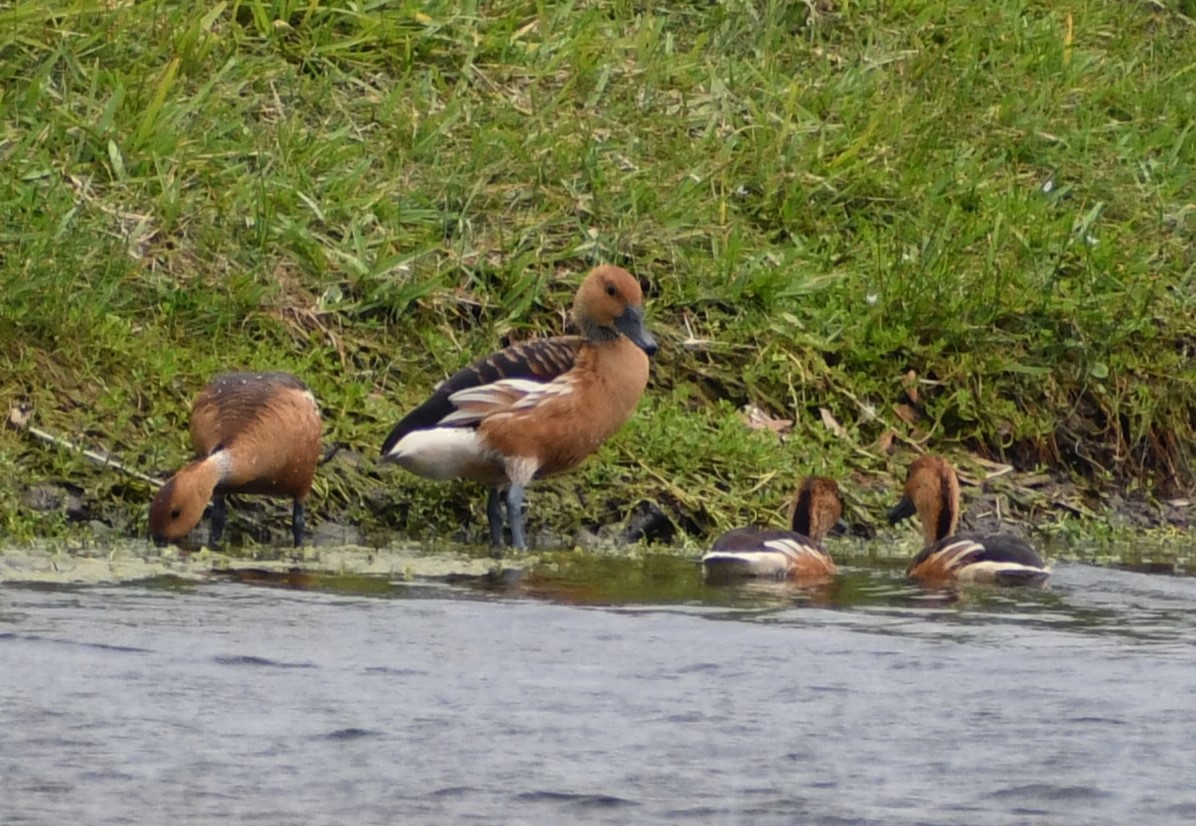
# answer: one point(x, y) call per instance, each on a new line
point(753, 539)
point(539, 360)
point(1005, 548)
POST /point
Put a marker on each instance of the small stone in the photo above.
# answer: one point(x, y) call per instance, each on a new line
point(76, 508)
point(649, 522)
point(588, 540)
point(42, 498)
point(100, 530)
point(46, 498)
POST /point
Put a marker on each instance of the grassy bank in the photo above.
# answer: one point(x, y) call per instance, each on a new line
point(968, 227)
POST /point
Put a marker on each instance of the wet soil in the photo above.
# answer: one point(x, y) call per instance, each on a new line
point(1007, 501)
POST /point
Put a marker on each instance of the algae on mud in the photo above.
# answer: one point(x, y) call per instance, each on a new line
point(820, 198)
point(124, 562)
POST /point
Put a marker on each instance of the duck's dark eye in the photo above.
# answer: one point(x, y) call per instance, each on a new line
point(610, 290)
point(176, 513)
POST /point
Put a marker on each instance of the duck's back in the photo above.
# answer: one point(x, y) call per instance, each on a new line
point(540, 360)
point(270, 426)
point(997, 558)
point(767, 553)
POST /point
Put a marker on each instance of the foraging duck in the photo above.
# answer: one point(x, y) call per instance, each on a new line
point(795, 554)
point(252, 433)
point(932, 491)
point(536, 408)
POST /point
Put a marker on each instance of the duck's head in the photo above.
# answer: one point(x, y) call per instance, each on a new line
point(180, 504)
point(817, 508)
point(610, 303)
point(932, 492)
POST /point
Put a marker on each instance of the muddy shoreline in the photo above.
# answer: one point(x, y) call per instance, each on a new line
point(1030, 504)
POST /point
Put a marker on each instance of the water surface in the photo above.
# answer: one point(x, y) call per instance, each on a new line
point(607, 692)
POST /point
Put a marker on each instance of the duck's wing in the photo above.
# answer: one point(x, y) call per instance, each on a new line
point(473, 404)
point(765, 552)
point(756, 538)
point(1000, 558)
point(534, 362)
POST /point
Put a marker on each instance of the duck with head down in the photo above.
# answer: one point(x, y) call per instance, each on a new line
point(252, 433)
point(536, 408)
point(795, 554)
point(932, 492)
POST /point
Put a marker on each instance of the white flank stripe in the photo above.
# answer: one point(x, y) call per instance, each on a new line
point(462, 417)
point(498, 392)
point(476, 403)
point(956, 550)
point(788, 547)
point(554, 388)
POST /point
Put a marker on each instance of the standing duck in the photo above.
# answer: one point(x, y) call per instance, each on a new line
point(795, 554)
point(932, 492)
point(252, 433)
point(536, 408)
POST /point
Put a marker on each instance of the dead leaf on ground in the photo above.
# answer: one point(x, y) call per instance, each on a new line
point(757, 419)
point(906, 413)
point(884, 442)
point(994, 469)
point(909, 382)
point(832, 424)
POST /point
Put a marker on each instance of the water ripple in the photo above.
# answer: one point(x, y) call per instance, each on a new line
point(1048, 791)
point(249, 659)
point(351, 734)
point(578, 801)
point(98, 646)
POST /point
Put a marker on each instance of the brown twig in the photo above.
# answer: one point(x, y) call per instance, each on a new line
point(19, 416)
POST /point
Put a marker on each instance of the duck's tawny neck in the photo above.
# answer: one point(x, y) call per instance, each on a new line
point(206, 474)
point(942, 512)
point(816, 508)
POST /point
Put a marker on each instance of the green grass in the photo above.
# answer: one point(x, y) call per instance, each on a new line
point(822, 196)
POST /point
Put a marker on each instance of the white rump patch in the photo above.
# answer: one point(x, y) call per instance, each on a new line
point(989, 572)
point(746, 563)
point(441, 453)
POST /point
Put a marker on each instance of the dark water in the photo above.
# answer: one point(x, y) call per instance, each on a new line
point(559, 700)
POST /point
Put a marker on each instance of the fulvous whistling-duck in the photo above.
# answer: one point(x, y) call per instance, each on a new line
point(536, 408)
point(779, 554)
point(932, 492)
point(252, 433)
